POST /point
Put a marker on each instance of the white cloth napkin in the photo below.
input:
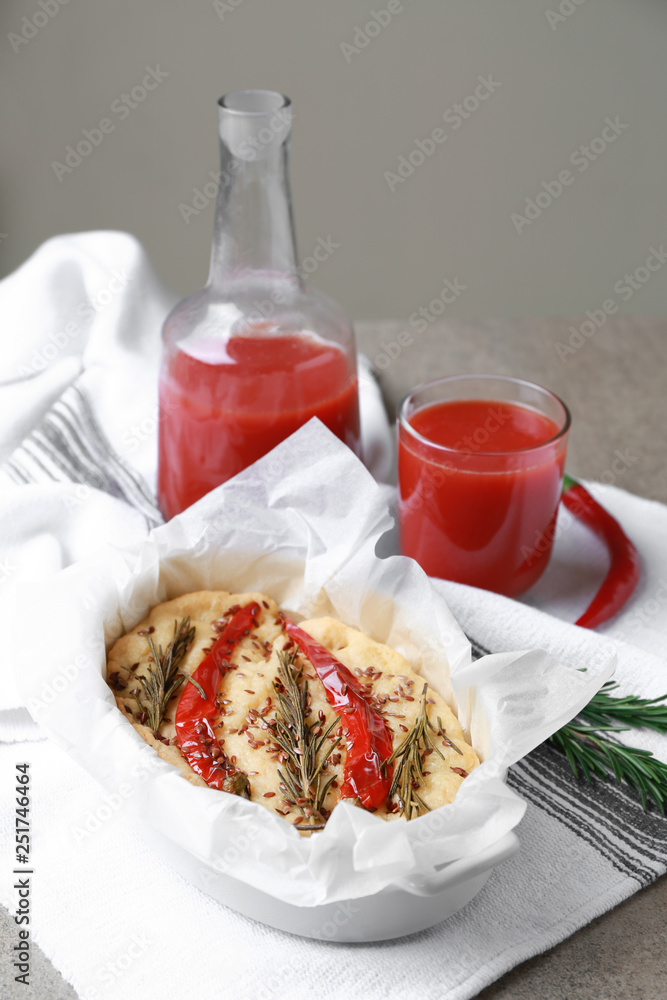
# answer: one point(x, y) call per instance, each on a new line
point(78, 471)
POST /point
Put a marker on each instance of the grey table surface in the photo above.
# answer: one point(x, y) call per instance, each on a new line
point(615, 382)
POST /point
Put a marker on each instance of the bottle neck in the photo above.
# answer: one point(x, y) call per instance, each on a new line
point(254, 227)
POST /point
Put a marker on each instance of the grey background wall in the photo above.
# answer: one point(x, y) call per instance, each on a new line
point(558, 70)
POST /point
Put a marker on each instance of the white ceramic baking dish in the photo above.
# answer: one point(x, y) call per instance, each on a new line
point(406, 906)
point(379, 880)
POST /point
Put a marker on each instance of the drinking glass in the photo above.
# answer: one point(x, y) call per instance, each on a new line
point(480, 472)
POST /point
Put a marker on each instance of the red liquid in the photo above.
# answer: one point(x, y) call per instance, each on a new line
point(483, 513)
point(218, 417)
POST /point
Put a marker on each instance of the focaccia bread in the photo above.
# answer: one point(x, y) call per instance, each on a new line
point(256, 707)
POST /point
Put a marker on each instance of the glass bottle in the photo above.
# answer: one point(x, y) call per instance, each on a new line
point(254, 355)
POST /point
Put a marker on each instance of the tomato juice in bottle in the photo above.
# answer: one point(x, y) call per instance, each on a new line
point(223, 413)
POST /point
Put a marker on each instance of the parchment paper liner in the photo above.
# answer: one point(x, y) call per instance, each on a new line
point(300, 525)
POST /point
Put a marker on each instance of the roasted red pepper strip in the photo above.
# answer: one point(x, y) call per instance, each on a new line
point(624, 571)
point(369, 741)
point(195, 715)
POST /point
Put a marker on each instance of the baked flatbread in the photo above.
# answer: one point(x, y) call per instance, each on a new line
point(247, 700)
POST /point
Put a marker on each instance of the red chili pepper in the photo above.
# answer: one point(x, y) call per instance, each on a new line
point(368, 738)
point(194, 714)
point(623, 574)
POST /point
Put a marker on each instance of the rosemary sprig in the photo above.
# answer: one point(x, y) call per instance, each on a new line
point(594, 754)
point(164, 676)
point(408, 773)
point(649, 713)
point(591, 753)
point(302, 774)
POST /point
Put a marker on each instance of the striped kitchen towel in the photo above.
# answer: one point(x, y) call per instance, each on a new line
point(68, 446)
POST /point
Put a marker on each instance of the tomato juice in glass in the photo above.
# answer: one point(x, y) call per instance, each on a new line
point(480, 470)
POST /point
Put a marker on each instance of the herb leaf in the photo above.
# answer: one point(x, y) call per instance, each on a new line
point(302, 772)
point(408, 773)
point(594, 754)
point(164, 676)
point(650, 713)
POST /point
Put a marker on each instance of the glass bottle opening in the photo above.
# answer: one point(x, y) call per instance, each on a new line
point(254, 102)
point(254, 125)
